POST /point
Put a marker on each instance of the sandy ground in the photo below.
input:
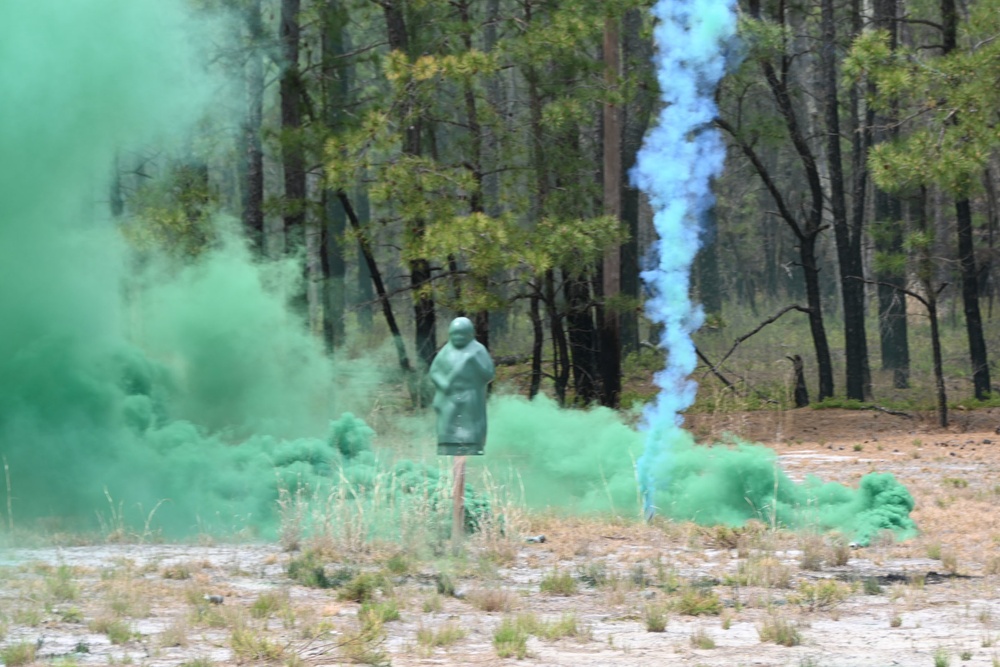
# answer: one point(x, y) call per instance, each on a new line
point(922, 602)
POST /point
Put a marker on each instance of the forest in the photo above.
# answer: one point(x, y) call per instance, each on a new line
point(422, 159)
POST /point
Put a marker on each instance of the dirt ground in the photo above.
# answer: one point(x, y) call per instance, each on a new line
point(930, 600)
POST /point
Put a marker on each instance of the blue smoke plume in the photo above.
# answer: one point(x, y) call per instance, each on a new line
point(675, 168)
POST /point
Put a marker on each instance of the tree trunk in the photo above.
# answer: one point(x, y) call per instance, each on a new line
point(420, 268)
point(807, 253)
point(888, 236)
point(477, 138)
point(292, 155)
point(966, 243)
point(637, 52)
point(970, 300)
point(365, 294)
point(611, 380)
point(537, 342)
point(253, 153)
point(777, 83)
point(369, 256)
point(707, 269)
point(942, 398)
point(848, 239)
point(582, 338)
point(336, 89)
point(560, 352)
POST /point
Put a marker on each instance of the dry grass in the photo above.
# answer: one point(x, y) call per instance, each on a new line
point(495, 599)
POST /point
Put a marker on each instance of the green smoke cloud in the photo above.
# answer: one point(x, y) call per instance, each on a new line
point(584, 460)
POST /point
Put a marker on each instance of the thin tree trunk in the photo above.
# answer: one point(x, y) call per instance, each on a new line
point(537, 343)
point(582, 338)
point(369, 256)
point(365, 293)
point(560, 352)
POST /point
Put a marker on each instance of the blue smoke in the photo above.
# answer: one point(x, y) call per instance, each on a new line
point(675, 168)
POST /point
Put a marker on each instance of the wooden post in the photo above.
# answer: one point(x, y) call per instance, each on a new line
point(458, 504)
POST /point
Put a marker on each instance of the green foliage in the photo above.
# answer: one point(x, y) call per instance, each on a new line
point(950, 132)
point(173, 213)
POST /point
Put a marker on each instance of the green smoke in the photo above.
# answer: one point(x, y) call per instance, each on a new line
point(584, 460)
point(194, 389)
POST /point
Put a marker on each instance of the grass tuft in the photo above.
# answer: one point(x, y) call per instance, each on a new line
point(558, 582)
point(780, 631)
point(15, 655)
point(510, 640)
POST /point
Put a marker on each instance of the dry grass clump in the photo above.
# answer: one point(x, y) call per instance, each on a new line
point(175, 634)
point(269, 603)
point(380, 612)
point(779, 630)
point(822, 594)
point(812, 552)
point(443, 637)
point(698, 602)
point(117, 630)
point(493, 599)
point(655, 616)
point(559, 582)
point(15, 655)
point(701, 639)
point(510, 639)
point(60, 584)
point(249, 645)
point(765, 571)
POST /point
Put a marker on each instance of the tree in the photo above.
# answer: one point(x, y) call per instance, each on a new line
point(772, 54)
